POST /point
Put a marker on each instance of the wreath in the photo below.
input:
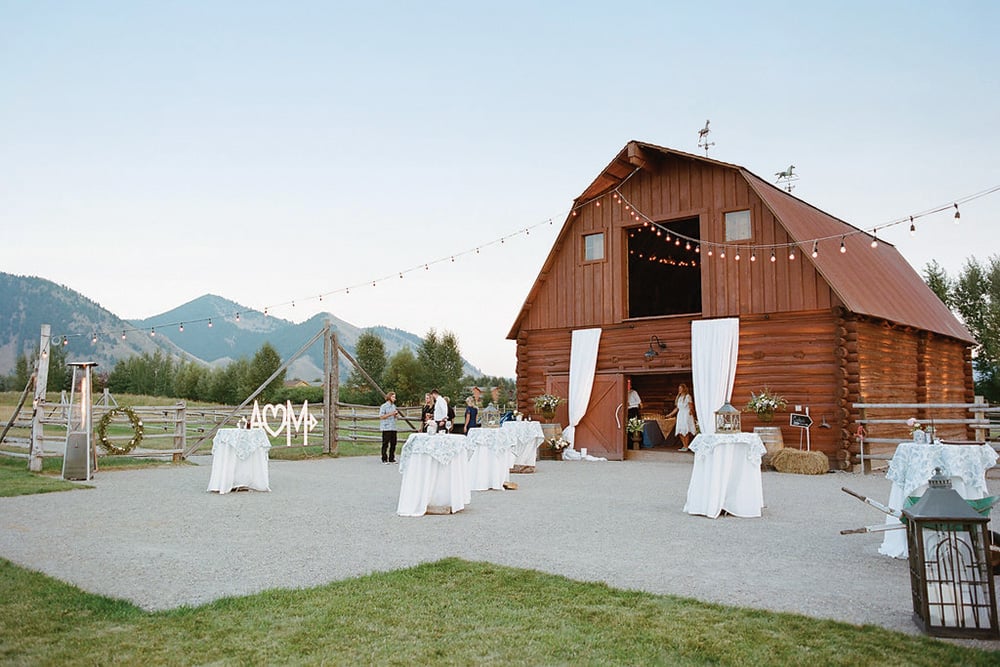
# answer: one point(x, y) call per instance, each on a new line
point(102, 430)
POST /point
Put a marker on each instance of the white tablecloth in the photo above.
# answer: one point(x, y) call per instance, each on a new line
point(435, 471)
point(492, 457)
point(239, 459)
point(726, 475)
point(913, 464)
point(528, 436)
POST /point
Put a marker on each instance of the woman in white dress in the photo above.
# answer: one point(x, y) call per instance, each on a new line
point(684, 427)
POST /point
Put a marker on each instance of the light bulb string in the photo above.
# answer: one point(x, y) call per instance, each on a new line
point(872, 233)
point(637, 213)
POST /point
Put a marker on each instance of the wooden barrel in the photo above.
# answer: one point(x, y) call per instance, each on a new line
point(771, 437)
point(549, 431)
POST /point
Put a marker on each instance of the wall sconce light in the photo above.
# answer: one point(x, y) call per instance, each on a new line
point(651, 352)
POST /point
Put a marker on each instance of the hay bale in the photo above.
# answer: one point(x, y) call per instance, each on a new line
point(802, 463)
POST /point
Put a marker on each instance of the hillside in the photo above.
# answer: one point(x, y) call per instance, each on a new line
point(236, 331)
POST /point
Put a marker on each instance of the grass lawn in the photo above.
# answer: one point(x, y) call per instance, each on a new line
point(449, 612)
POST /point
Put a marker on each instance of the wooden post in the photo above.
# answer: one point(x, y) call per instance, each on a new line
point(38, 409)
point(982, 435)
point(180, 430)
point(331, 392)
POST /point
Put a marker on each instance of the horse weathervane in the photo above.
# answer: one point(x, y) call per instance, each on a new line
point(787, 177)
point(703, 138)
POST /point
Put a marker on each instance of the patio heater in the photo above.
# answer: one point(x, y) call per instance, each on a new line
point(77, 460)
point(950, 574)
point(727, 419)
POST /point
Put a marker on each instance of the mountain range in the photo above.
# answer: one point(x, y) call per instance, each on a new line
point(215, 330)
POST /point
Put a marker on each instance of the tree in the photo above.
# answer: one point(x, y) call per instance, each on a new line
point(370, 355)
point(402, 375)
point(937, 279)
point(22, 371)
point(264, 363)
point(441, 364)
point(976, 297)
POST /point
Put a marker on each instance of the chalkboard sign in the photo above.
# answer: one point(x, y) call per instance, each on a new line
point(800, 420)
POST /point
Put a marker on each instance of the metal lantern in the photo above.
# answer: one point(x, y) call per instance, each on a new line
point(78, 462)
point(950, 574)
point(490, 417)
point(727, 419)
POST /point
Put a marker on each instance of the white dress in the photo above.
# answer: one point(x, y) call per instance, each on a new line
point(685, 421)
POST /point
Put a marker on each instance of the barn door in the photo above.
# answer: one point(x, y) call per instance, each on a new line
point(599, 430)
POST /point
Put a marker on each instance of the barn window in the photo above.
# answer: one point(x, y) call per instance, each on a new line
point(664, 269)
point(593, 247)
point(737, 225)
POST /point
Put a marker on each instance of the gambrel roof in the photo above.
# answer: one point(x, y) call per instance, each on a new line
point(879, 284)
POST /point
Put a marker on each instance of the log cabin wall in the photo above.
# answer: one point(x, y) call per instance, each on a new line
point(904, 365)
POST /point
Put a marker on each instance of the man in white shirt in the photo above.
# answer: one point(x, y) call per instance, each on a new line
point(387, 414)
point(440, 410)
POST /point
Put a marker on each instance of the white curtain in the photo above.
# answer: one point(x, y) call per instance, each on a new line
point(582, 364)
point(714, 348)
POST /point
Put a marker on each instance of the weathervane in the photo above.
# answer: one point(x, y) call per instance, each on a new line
point(703, 138)
point(787, 177)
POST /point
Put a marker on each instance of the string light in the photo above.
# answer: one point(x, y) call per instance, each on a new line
point(181, 328)
point(815, 249)
point(65, 341)
point(210, 323)
point(913, 227)
point(123, 334)
point(753, 255)
point(843, 248)
point(237, 317)
point(737, 255)
point(791, 253)
point(958, 214)
point(773, 258)
point(152, 332)
point(93, 338)
point(874, 240)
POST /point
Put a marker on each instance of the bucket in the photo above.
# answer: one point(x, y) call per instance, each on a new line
point(771, 437)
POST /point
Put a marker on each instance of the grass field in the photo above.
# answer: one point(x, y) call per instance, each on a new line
point(451, 612)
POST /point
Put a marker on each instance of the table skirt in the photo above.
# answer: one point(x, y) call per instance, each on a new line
point(231, 472)
point(427, 482)
point(489, 469)
point(528, 437)
point(726, 478)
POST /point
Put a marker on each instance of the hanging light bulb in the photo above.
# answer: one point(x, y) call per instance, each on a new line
point(722, 254)
point(697, 249)
point(93, 338)
point(958, 214)
point(677, 242)
point(773, 258)
point(598, 204)
point(181, 328)
point(265, 312)
point(791, 253)
point(737, 255)
point(123, 334)
point(874, 243)
point(843, 248)
point(65, 341)
point(152, 332)
point(753, 255)
point(687, 246)
point(815, 249)
point(237, 317)
point(210, 323)
point(913, 227)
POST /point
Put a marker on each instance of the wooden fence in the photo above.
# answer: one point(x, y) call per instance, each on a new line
point(884, 425)
point(168, 430)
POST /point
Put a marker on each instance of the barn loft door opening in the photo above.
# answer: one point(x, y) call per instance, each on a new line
point(664, 271)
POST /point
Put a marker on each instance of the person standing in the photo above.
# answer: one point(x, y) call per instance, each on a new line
point(471, 414)
point(426, 411)
point(684, 410)
point(387, 414)
point(634, 402)
point(440, 410)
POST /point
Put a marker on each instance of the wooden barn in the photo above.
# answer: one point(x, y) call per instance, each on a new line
point(827, 316)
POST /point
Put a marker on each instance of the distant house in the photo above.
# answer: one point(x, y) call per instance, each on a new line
point(292, 384)
point(663, 239)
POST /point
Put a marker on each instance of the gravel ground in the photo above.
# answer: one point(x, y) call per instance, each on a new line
point(157, 538)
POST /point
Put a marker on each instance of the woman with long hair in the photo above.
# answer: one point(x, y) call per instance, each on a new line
point(684, 409)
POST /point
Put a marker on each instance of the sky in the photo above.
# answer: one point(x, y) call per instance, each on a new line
point(272, 152)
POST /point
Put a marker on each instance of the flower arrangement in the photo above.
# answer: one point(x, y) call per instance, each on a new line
point(765, 403)
point(634, 425)
point(914, 425)
point(557, 443)
point(547, 404)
